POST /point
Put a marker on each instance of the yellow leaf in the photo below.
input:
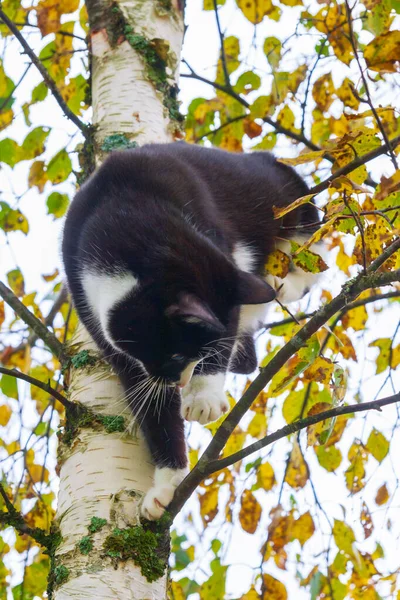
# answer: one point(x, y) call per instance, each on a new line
point(176, 591)
point(323, 92)
point(2, 313)
point(273, 589)
point(303, 528)
point(286, 118)
point(383, 52)
point(355, 318)
point(332, 20)
point(355, 473)
point(281, 212)
point(37, 175)
point(297, 471)
point(258, 426)
point(382, 495)
point(252, 594)
point(378, 445)
point(320, 370)
point(49, 13)
point(387, 186)
point(209, 504)
point(302, 158)
point(250, 512)
point(266, 477)
point(256, 10)
point(5, 414)
point(277, 264)
point(346, 94)
point(16, 282)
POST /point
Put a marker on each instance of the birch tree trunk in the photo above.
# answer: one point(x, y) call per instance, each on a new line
point(104, 469)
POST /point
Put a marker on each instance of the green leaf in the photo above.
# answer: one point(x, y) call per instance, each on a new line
point(378, 445)
point(344, 536)
point(9, 386)
point(16, 282)
point(57, 204)
point(59, 168)
point(9, 152)
point(328, 457)
point(12, 220)
point(39, 92)
point(307, 260)
point(272, 50)
point(34, 143)
point(247, 82)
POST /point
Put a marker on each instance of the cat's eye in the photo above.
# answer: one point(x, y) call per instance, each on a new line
point(178, 357)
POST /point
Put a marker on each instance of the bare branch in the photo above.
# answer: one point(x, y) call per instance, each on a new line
point(217, 465)
point(357, 162)
point(223, 55)
point(39, 384)
point(346, 309)
point(13, 518)
point(38, 327)
point(49, 81)
point(350, 290)
point(366, 87)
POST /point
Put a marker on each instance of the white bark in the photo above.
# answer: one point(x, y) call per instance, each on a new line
point(106, 474)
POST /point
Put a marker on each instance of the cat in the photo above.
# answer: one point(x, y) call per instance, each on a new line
point(164, 250)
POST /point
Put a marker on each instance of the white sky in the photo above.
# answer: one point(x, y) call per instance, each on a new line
point(39, 254)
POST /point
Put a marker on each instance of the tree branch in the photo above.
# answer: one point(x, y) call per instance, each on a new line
point(49, 81)
point(299, 137)
point(221, 39)
point(39, 384)
point(217, 465)
point(13, 518)
point(38, 327)
point(361, 160)
point(346, 309)
point(366, 87)
point(350, 290)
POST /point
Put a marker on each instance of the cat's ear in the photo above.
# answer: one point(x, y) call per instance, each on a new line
point(190, 309)
point(253, 290)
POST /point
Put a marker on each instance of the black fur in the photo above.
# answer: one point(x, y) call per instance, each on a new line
point(171, 214)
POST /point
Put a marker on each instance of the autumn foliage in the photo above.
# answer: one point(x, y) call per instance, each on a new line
point(314, 514)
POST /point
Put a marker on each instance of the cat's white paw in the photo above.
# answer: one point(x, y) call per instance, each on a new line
point(204, 400)
point(166, 480)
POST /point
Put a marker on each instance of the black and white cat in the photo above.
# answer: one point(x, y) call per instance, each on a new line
point(164, 249)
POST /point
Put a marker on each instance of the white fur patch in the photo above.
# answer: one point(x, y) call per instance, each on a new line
point(243, 256)
point(297, 282)
point(204, 399)
point(103, 291)
point(166, 480)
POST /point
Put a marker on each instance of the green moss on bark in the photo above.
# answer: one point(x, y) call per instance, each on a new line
point(140, 545)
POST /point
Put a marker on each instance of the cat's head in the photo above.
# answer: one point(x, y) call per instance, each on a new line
point(170, 327)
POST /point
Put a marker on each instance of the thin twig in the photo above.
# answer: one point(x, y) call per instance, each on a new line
point(222, 463)
point(39, 384)
point(350, 291)
point(14, 518)
point(365, 83)
point(357, 162)
point(299, 137)
point(221, 38)
point(49, 81)
point(38, 327)
point(4, 103)
point(346, 309)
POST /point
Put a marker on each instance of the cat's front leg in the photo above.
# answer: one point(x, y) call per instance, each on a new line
point(204, 399)
point(163, 429)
